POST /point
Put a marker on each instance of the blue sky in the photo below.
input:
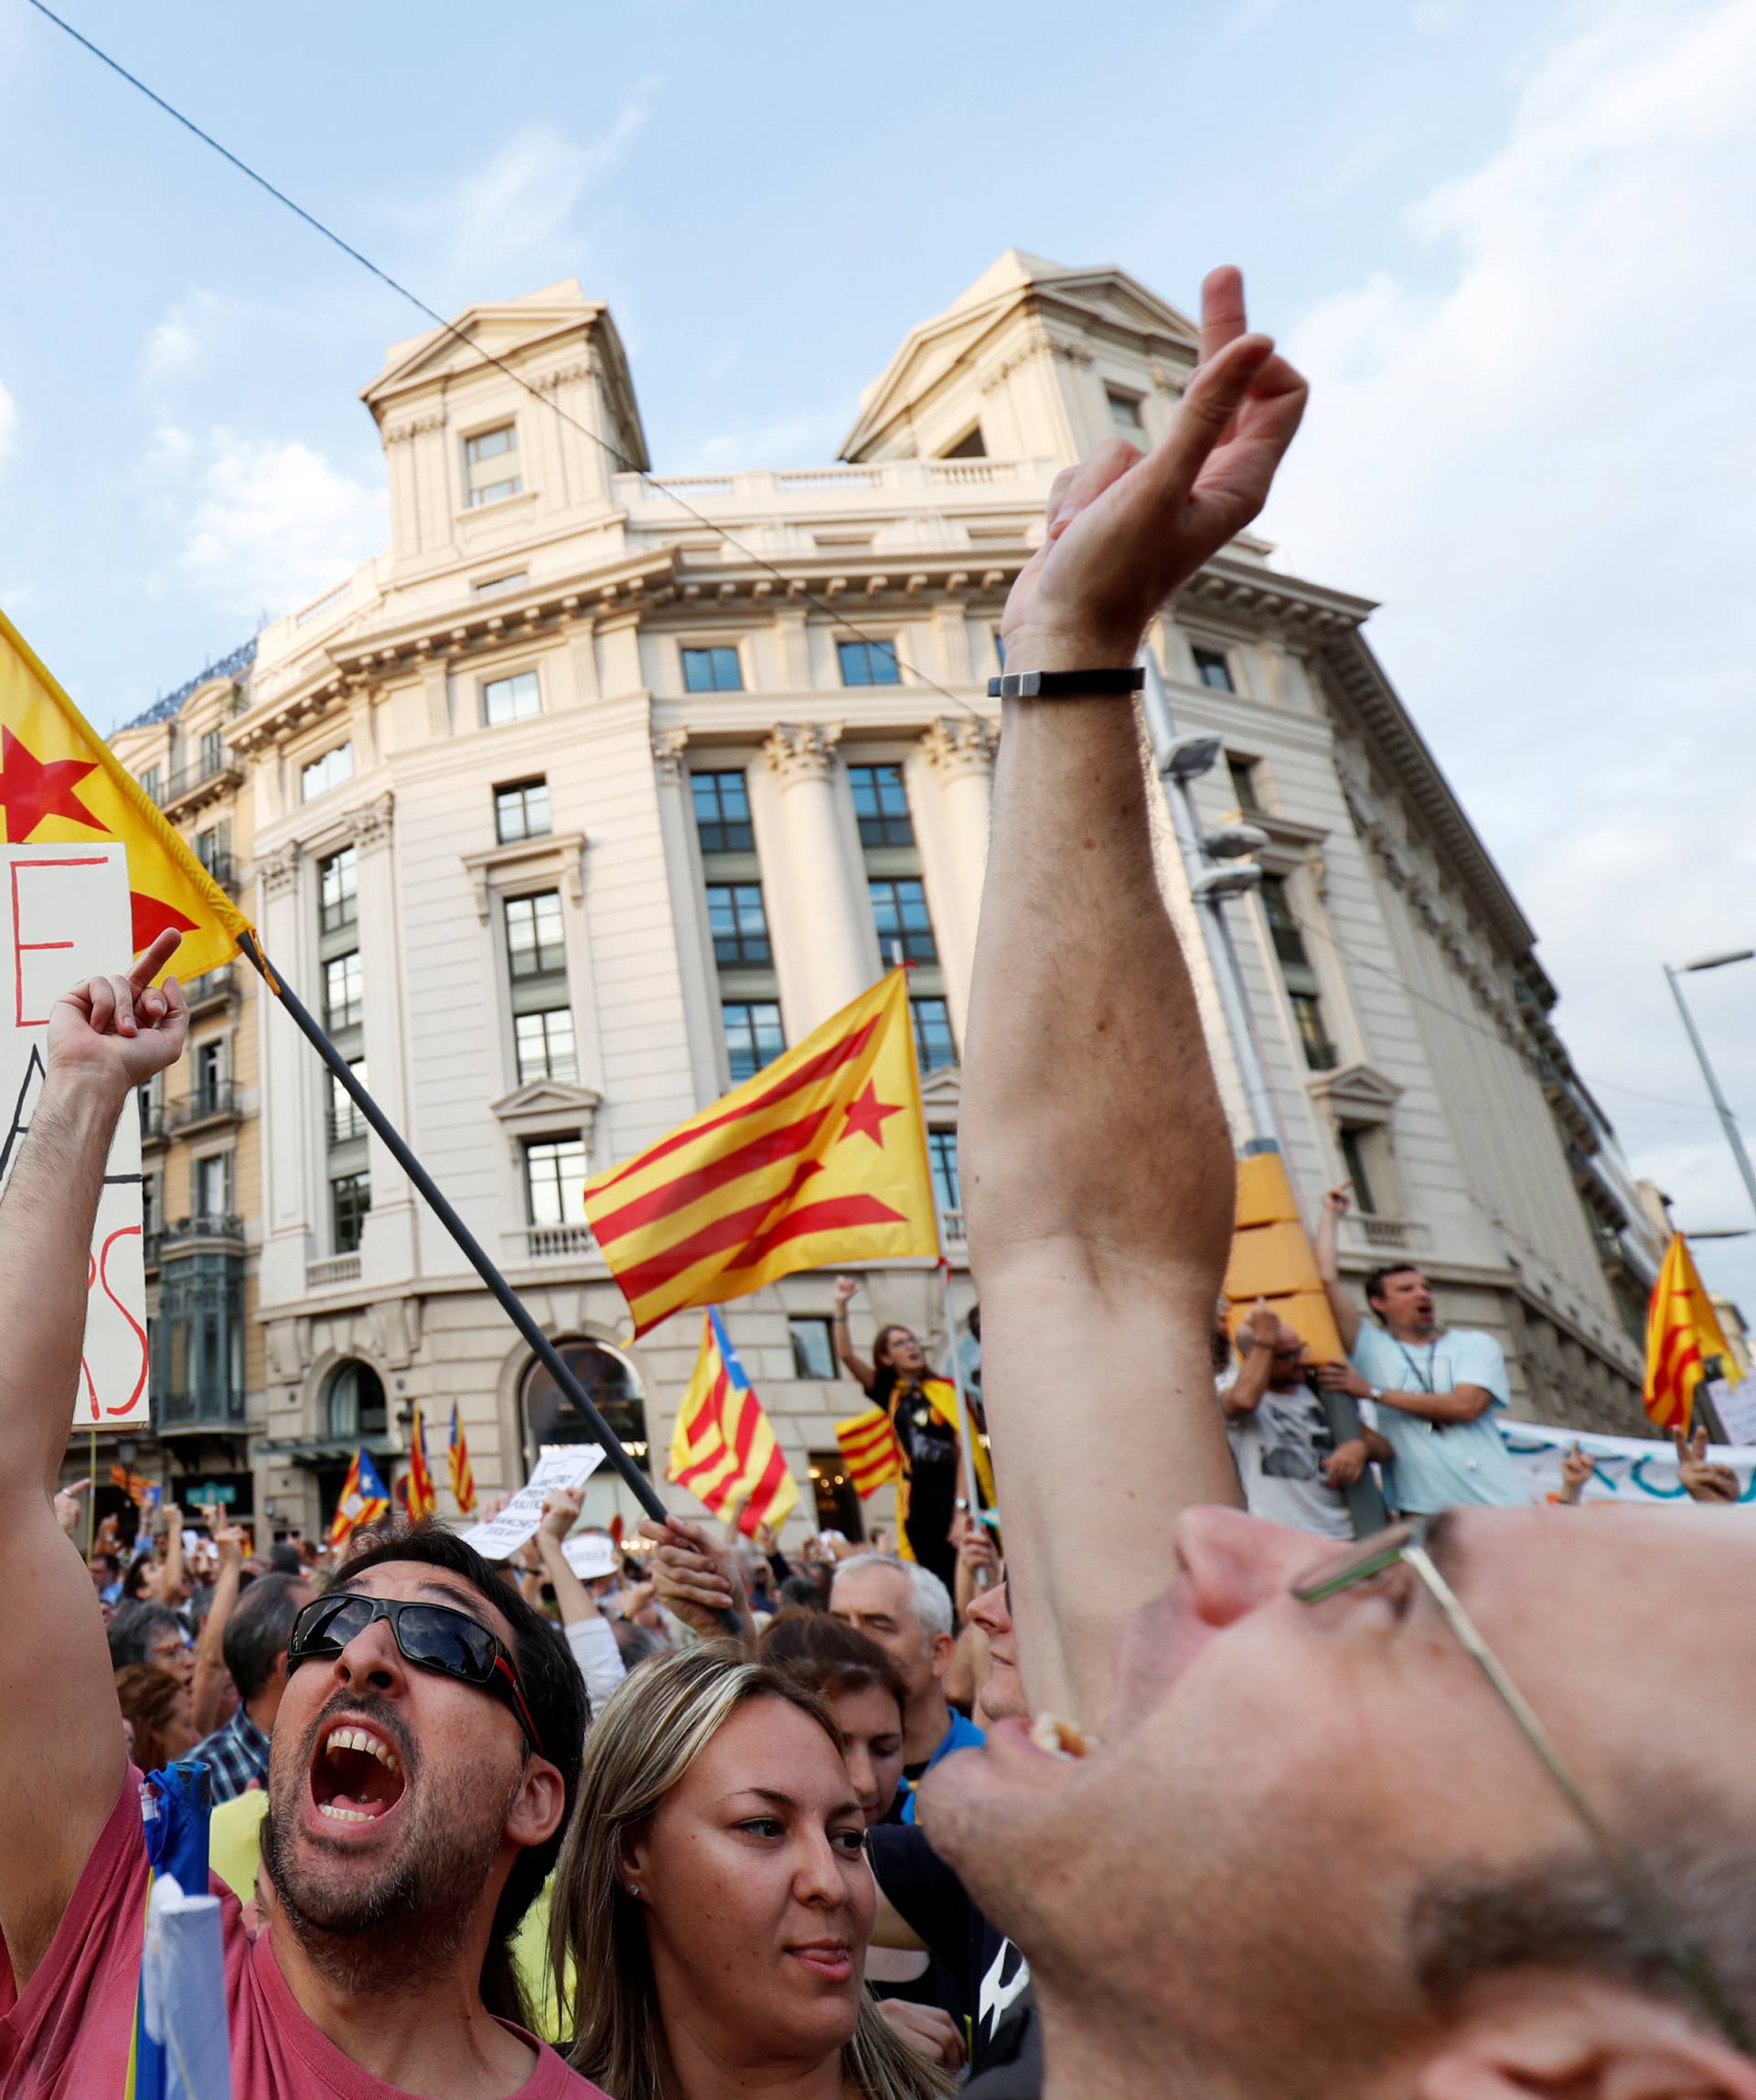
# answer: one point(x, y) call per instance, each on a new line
point(1510, 242)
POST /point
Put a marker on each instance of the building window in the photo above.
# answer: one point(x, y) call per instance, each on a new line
point(213, 1186)
point(350, 1198)
point(209, 1068)
point(899, 911)
point(346, 1118)
point(752, 1036)
point(535, 946)
point(318, 776)
point(546, 1048)
point(934, 1043)
point(554, 1180)
point(942, 1156)
point(1213, 667)
point(869, 663)
point(713, 670)
point(881, 804)
point(1243, 773)
point(198, 1353)
point(152, 783)
point(739, 926)
point(1354, 1160)
point(213, 753)
point(608, 1380)
point(339, 891)
point(837, 1498)
point(1125, 414)
point(1297, 975)
point(813, 1350)
point(496, 586)
point(355, 1408)
point(522, 811)
point(514, 699)
point(341, 991)
point(723, 812)
point(491, 466)
point(969, 446)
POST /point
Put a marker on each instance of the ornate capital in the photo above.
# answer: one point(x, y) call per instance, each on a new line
point(667, 748)
point(415, 426)
point(280, 871)
point(372, 825)
point(584, 368)
point(957, 744)
point(802, 750)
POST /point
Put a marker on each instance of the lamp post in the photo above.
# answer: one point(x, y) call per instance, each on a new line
point(1723, 1108)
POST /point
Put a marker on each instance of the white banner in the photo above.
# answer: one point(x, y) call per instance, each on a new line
point(67, 917)
point(1628, 1470)
point(558, 1465)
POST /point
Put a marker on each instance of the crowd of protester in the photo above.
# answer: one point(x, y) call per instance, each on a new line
point(1141, 1795)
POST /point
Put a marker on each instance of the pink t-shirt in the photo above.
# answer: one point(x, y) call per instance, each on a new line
point(67, 2037)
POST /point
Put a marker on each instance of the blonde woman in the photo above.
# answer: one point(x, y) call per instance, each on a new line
point(713, 1900)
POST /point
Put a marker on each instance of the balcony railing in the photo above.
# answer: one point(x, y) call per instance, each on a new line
point(952, 1231)
point(344, 1124)
point(186, 779)
point(556, 1242)
point(212, 1104)
point(222, 1409)
point(210, 988)
point(152, 1123)
point(149, 1247)
point(205, 1224)
point(1390, 1235)
point(222, 867)
point(330, 1274)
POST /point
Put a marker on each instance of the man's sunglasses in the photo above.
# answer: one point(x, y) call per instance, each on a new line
point(432, 1637)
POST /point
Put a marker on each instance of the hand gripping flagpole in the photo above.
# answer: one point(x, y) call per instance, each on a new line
point(547, 1354)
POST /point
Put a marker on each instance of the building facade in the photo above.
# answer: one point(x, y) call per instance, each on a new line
point(595, 790)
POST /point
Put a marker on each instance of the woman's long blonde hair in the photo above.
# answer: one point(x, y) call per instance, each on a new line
point(650, 1732)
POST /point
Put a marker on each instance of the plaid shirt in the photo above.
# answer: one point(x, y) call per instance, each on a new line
point(234, 1755)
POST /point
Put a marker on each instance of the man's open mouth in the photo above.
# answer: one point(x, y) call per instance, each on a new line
point(356, 1776)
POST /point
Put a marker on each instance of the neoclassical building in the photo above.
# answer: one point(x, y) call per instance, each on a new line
point(594, 790)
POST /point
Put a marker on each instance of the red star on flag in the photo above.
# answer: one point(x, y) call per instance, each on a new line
point(31, 790)
point(866, 1113)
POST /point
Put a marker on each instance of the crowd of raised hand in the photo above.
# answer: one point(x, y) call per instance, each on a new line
point(1172, 1801)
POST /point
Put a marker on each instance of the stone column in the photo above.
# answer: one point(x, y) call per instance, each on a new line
point(288, 1082)
point(957, 756)
point(700, 992)
point(833, 949)
point(387, 1246)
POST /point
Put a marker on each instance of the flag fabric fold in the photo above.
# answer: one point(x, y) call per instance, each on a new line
point(820, 1158)
point(1681, 1331)
point(724, 1449)
point(363, 1499)
point(423, 1497)
point(60, 784)
point(463, 1477)
point(869, 1448)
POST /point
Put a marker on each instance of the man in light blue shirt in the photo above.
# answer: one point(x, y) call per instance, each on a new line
point(1435, 1390)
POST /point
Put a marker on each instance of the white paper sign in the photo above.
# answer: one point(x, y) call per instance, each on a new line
point(591, 1554)
point(558, 1465)
point(67, 915)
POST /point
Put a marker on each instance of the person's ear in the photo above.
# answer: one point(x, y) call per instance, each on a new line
point(1549, 2037)
point(944, 1648)
point(633, 1857)
point(538, 1805)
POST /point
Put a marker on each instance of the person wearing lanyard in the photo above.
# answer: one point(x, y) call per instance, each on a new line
point(1435, 1390)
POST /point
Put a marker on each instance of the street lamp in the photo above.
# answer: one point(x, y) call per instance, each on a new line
point(1728, 1121)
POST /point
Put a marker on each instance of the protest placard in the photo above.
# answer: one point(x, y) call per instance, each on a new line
point(67, 917)
point(591, 1554)
point(558, 1465)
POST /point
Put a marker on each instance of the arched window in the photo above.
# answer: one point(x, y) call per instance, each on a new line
point(356, 1405)
point(551, 1417)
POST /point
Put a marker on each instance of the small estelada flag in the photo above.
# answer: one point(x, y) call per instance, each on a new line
point(462, 1476)
point(820, 1158)
point(363, 1498)
point(1681, 1331)
point(422, 1499)
point(61, 784)
point(724, 1449)
point(868, 1445)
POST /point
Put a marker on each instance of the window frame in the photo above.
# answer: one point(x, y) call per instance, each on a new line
point(522, 788)
point(1204, 656)
point(750, 1006)
point(716, 653)
point(909, 941)
point(875, 648)
point(485, 685)
point(558, 1142)
point(717, 774)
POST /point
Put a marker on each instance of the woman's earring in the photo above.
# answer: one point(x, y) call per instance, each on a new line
point(634, 1888)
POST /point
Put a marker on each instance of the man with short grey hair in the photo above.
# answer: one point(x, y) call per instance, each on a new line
point(908, 1611)
point(254, 1646)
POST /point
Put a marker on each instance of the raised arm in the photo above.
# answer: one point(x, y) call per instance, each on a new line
point(210, 1649)
point(1337, 1203)
point(1255, 1364)
point(841, 1336)
point(1098, 1182)
point(60, 1737)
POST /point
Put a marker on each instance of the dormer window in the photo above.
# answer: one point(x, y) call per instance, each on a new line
point(491, 464)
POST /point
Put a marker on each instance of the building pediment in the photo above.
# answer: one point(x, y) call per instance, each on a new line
point(543, 1106)
point(1357, 1094)
point(942, 1090)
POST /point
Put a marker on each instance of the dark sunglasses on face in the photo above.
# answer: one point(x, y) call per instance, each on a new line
point(432, 1637)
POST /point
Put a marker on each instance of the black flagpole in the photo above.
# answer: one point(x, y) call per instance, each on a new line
point(547, 1354)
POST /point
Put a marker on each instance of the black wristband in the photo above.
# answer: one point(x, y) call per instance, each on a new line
point(1054, 684)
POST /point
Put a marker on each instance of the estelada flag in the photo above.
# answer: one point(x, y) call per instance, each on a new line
point(363, 1498)
point(820, 1158)
point(61, 784)
point(870, 1447)
point(463, 1474)
point(1682, 1331)
point(422, 1500)
point(724, 1449)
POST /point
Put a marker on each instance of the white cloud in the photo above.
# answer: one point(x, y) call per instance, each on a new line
point(809, 439)
point(1530, 437)
point(1362, 160)
point(178, 345)
point(257, 524)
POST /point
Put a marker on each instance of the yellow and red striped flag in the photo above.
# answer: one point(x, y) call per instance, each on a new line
point(423, 1497)
point(462, 1475)
point(1682, 1331)
point(820, 1158)
point(724, 1449)
point(362, 1499)
point(868, 1445)
point(61, 784)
